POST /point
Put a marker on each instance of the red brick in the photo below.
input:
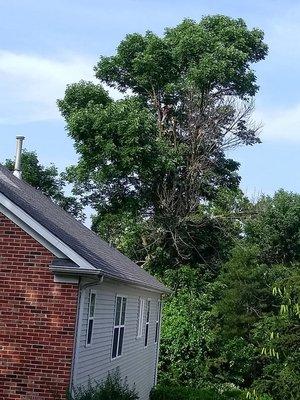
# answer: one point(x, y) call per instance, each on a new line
point(37, 320)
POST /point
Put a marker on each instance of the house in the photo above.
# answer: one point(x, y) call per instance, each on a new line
point(72, 307)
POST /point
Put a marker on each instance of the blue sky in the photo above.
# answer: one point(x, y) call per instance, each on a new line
point(46, 44)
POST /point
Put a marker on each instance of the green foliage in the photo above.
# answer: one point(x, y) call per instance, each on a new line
point(182, 393)
point(276, 229)
point(151, 160)
point(248, 293)
point(194, 350)
point(260, 296)
point(110, 389)
point(154, 166)
point(240, 326)
point(82, 95)
point(280, 338)
point(47, 180)
point(214, 53)
point(186, 334)
point(253, 395)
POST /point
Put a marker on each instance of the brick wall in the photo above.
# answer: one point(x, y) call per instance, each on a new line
point(37, 320)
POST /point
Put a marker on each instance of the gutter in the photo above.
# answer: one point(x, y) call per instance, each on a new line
point(69, 271)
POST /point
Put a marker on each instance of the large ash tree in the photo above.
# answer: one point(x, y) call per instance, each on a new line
point(152, 162)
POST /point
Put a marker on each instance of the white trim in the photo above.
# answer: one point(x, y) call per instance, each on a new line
point(158, 343)
point(82, 271)
point(157, 321)
point(58, 278)
point(31, 232)
point(56, 269)
point(44, 233)
point(76, 341)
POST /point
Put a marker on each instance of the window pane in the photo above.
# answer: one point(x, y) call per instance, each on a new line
point(92, 304)
point(146, 335)
point(90, 331)
point(121, 341)
point(115, 342)
point(158, 310)
point(123, 311)
point(156, 332)
point(148, 311)
point(141, 318)
point(118, 311)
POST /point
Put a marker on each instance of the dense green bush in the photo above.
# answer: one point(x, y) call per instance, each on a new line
point(113, 388)
point(233, 329)
point(182, 393)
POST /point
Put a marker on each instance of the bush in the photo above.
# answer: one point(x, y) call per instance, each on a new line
point(113, 388)
point(181, 393)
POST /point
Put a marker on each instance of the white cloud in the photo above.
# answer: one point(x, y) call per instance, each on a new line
point(30, 85)
point(280, 124)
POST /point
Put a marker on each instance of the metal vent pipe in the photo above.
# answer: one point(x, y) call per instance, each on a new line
point(18, 165)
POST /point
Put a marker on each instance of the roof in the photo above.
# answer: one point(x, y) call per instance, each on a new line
point(74, 234)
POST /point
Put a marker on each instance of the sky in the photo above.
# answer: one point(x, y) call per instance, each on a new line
point(44, 45)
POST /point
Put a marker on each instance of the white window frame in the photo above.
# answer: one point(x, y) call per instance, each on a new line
point(140, 318)
point(147, 325)
point(90, 319)
point(119, 326)
point(157, 322)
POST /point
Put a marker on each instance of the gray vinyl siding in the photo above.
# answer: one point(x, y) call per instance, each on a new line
point(137, 363)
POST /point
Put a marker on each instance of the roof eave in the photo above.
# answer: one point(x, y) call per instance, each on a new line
point(51, 241)
point(62, 270)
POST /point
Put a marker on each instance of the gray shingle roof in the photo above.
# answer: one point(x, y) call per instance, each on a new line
point(73, 233)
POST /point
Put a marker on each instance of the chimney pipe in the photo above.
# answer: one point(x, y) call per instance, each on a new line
point(18, 167)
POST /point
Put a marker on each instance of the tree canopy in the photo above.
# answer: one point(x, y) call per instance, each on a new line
point(154, 166)
point(150, 161)
point(242, 327)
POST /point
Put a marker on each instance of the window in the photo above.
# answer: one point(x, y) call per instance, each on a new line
point(147, 323)
point(119, 326)
point(157, 322)
point(91, 316)
point(140, 318)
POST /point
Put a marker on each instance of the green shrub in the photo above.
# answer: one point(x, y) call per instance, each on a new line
point(182, 393)
point(113, 388)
